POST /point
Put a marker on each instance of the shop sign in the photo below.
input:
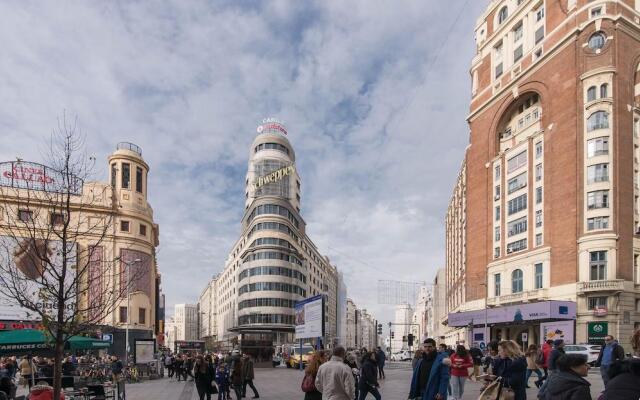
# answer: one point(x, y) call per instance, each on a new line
point(600, 311)
point(596, 331)
point(553, 309)
point(274, 176)
point(11, 326)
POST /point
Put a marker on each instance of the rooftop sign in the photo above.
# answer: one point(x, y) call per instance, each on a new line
point(33, 176)
point(271, 125)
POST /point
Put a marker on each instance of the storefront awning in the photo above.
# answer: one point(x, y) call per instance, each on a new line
point(543, 310)
point(31, 340)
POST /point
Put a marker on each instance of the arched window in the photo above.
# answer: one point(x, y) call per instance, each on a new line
point(598, 120)
point(516, 281)
point(604, 91)
point(591, 93)
point(503, 14)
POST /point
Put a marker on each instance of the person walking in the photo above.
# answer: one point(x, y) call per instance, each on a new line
point(511, 367)
point(461, 361)
point(335, 379)
point(248, 377)
point(380, 360)
point(624, 375)
point(188, 368)
point(222, 379)
point(203, 375)
point(168, 363)
point(27, 370)
point(430, 380)
point(568, 382)
point(610, 353)
point(532, 355)
point(116, 369)
point(178, 365)
point(368, 377)
point(558, 350)
point(310, 373)
point(476, 356)
point(236, 373)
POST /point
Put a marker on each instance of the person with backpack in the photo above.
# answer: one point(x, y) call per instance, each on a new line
point(610, 353)
point(534, 358)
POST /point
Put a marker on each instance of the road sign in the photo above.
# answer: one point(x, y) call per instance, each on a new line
point(482, 345)
point(107, 337)
point(525, 336)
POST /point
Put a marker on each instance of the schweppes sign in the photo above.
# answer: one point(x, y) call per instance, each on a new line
point(274, 176)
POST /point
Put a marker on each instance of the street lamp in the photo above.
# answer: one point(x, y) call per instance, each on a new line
point(129, 264)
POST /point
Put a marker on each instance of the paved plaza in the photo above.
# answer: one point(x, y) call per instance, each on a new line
point(284, 384)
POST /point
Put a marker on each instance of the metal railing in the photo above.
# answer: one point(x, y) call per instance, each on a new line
point(130, 147)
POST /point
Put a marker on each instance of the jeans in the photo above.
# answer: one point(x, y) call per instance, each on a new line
point(530, 372)
point(372, 390)
point(604, 372)
point(457, 386)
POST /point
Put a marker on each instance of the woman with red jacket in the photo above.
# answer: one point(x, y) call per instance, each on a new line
point(461, 361)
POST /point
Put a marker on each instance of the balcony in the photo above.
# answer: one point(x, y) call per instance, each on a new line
point(598, 286)
point(522, 297)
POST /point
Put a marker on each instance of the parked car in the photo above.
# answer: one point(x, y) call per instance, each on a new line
point(403, 355)
point(589, 350)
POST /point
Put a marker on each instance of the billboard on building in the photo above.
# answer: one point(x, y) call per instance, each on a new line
point(33, 176)
point(557, 330)
point(309, 318)
point(25, 257)
point(552, 309)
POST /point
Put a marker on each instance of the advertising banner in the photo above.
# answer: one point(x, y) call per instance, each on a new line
point(144, 351)
point(596, 331)
point(33, 176)
point(310, 318)
point(557, 330)
point(517, 313)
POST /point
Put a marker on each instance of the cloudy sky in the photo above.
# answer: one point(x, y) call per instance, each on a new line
point(374, 95)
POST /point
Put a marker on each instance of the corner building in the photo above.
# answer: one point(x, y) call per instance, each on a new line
point(551, 180)
point(274, 263)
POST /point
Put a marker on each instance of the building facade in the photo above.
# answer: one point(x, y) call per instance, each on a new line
point(274, 263)
point(207, 308)
point(112, 221)
point(552, 210)
point(185, 317)
point(401, 327)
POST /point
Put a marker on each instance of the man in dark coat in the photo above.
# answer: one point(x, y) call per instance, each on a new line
point(567, 382)
point(558, 350)
point(430, 379)
point(248, 375)
point(380, 359)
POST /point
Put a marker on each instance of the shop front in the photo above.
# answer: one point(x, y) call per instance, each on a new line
point(527, 323)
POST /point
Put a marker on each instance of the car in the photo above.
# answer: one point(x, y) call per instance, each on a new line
point(403, 355)
point(590, 350)
point(292, 355)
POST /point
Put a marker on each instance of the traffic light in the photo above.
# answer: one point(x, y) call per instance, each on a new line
point(391, 334)
point(379, 329)
point(404, 338)
point(410, 339)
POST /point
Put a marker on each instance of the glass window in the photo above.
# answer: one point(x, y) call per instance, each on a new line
point(496, 284)
point(124, 226)
point(598, 173)
point(498, 70)
point(597, 223)
point(25, 215)
point(517, 32)
point(539, 35)
point(497, 196)
point(142, 315)
point(518, 245)
point(596, 12)
point(114, 171)
point(517, 161)
point(516, 227)
point(598, 199)
point(538, 218)
point(538, 239)
point(496, 252)
point(517, 204)
point(126, 175)
point(538, 195)
point(538, 150)
point(598, 265)
point(57, 219)
point(497, 234)
point(539, 14)
point(597, 41)
point(597, 302)
point(538, 172)
point(517, 55)
point(604, 91)
point(598, 147)
point(143, 230)
point(538, 276)
point(591, 93)
point(517, 183)
point(123, 314)
point(497, 172)
point(138, 179)
point(598, 120)
point(497, 213)
point(516, 281)
point(503, 14)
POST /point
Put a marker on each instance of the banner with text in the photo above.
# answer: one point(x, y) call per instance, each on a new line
point(310, 318)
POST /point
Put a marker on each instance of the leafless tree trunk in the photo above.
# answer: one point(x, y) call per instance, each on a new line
point(53, 226)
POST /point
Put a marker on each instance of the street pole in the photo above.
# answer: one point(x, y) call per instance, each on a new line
point(137, 260)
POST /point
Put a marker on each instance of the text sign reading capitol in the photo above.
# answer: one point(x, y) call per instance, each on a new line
point(274, 176)
point(270, 125)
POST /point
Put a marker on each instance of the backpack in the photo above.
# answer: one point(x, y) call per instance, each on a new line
point(540, 358)
point(308, 383)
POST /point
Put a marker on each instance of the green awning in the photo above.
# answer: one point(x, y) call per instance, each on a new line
point(87, 343)
point(32, 340)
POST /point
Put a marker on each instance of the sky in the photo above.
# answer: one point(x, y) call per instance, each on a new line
point(374, 95)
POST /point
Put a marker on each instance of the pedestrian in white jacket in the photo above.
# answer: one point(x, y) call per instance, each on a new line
point(335, 379)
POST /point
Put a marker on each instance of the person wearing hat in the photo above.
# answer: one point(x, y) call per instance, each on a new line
point(558, 350)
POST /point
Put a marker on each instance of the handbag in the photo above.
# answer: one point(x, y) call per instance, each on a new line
point(506, 393)
point(491, 392)
point(308, 383)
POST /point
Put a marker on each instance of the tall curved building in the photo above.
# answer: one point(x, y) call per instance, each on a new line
point(273, 264)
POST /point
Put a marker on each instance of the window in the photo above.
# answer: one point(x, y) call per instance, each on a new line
point(538, 239)
point(598, 147)
point(497, 213)
point(539, 35)
point(536, 115)
point(517, 32)
point(597, 223)
point(591, 93)
point(538, 195)
point(497, 234)
point(517, 55)
point(126, 175)
point(539, 14)
point(604, 91)
point(538, 172)
point(57, 219)
point(496, 252)
point(597, 41)
point(138, 179)
point(497, 195)
point(538, 276)
point(113, 175)
point(498, 70)
point(517, 204)
point(143, 230)
point(598, 199)
point(596, 12)
point(516, 281)
point(518, 245)
point(123, 314)
point(516, 227)
point(503, 14)
point(497, 172)
point(25, 215)
point(496, 285)
point(517, 183)
point(597, 302)
point(124, 226)
point(597, 265)
point(142, 315)
point(517, 161)
point(598, 173)
point(538, 218)
point(538, 150)
point(598, 120)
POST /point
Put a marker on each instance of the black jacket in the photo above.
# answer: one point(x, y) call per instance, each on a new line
point(553, 357)
point(616, 355)
point(624, 383)
point(369, 374)
point(564, 385)
point(513, 373)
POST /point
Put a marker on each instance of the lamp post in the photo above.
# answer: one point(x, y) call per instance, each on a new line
point(485, 336)
point(129, 264)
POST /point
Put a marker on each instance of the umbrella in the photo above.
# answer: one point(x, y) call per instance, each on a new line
point(31, 340)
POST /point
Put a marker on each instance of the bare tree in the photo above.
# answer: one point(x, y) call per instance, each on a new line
point(54, 228)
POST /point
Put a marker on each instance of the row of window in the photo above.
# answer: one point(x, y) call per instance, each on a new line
point(516, 227)
point(272, 146)
point(517, 204)
point(125, 226)
point(517, 183)
point(272, 286)
point(518, 245)
point(593, 91)
point(269, 241)
point(126, 176)
point(142, 315)
point(274, 209)
point(266, 319)
point(282, 271)
point(598, 199)
point(55, 219)
point(272, 255)
point(267, 302)
point(517, 280)
point(273, 226)
point(598, 120)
